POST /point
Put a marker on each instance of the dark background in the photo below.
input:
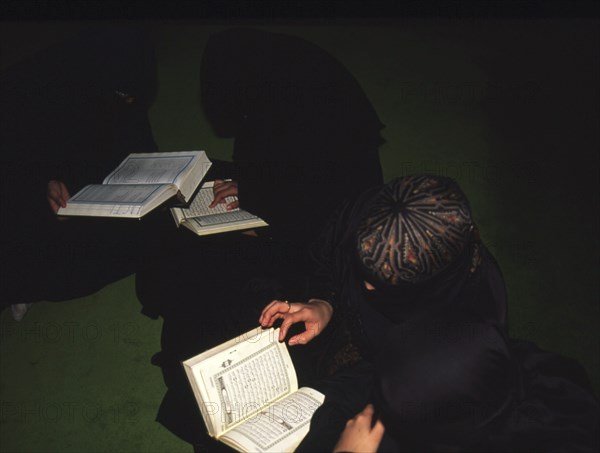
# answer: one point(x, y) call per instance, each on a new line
point(505, 99)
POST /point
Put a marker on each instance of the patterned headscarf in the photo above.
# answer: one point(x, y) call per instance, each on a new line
point(416, 228)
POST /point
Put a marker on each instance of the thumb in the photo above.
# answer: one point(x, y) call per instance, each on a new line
point(301, 338)
point(288, 320)
point(378, 429)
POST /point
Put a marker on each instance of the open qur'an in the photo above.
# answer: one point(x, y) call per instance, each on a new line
point(203, 219)
point(247, 391)
point(141, 183)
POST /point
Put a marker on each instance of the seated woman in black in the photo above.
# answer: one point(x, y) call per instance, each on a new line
point(306, 136)
point(402, 255)
point(459, 384)
point(69, 115)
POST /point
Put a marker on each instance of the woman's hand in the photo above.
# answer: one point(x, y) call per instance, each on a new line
point(223, 189)
point(358, 436)
point(315, 315)
point(57, 195)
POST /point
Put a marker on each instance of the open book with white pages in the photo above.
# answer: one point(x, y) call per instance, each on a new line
point(247, 391)
point(141, 183)
point(203, 220)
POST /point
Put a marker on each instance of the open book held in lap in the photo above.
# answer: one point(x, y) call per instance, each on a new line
point(141, 183)
point(202, 219)
point(247, 391)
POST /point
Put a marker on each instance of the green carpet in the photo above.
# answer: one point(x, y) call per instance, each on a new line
point(508, 108)
point(76, 377)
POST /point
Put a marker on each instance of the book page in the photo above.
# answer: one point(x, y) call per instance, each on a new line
point(152, 168)
point(116, 194)
point(115, 200)
point(201, 202)
point(200, 205)
point(241, 380)
point(280, 427)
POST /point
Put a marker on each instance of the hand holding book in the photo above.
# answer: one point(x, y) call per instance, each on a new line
point(315, 315)
point(57, 195)
point(222, 190)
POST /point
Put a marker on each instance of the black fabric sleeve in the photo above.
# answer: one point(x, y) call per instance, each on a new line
point(324, 258)
point(222, 169)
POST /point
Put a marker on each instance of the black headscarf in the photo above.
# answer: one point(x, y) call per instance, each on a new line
point(247, 72)
point(306, 135)
point(75, 110)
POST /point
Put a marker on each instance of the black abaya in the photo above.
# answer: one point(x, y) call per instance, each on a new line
point(71, 113)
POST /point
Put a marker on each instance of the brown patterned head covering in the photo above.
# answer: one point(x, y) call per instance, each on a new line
point(416, 227)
